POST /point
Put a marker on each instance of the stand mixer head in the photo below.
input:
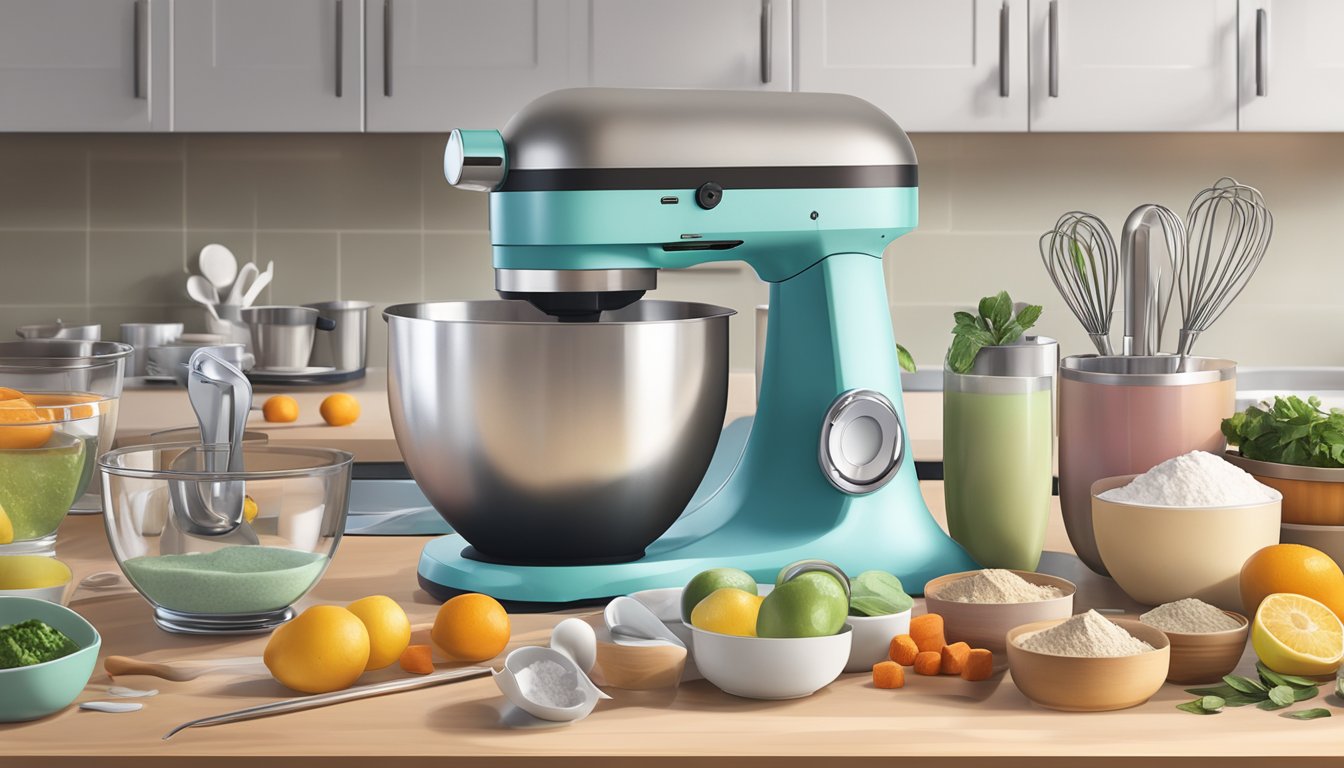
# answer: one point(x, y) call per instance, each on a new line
point(595, 190)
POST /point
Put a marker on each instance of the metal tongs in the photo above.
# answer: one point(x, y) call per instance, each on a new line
point(221, 396)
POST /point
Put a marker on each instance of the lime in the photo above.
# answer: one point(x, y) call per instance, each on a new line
point(812, 604)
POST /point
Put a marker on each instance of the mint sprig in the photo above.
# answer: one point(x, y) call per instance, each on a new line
point(997, 324)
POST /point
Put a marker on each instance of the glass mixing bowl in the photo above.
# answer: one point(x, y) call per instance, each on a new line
point(81, 378)
point(240, 580)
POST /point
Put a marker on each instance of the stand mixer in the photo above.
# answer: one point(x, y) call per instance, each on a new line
point(592, 191)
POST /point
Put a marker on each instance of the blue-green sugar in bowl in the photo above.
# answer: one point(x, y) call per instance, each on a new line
point(28, 693)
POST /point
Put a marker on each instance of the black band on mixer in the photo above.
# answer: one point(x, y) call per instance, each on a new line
point(782, 177)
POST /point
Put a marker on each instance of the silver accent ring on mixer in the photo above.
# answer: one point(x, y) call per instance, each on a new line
point(574, 280)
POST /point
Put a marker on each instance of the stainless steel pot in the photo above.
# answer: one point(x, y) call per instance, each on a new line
point(282, 337)
point(346, 347)
point(548, 442)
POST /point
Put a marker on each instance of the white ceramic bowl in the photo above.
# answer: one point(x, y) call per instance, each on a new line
point(872, 638)
point(36, 576)
point(771, 667)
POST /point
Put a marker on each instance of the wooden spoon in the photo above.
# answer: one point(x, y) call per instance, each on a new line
point(181, 671)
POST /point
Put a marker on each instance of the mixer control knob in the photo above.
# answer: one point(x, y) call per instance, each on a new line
point(475, 160)
point(862, 442)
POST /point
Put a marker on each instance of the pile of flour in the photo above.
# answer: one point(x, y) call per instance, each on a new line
point(1189, 615)
point(996, 585)
point(1197, 479)
point(1087, 634)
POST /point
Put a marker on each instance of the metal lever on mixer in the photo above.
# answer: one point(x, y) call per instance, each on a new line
point(221, 396)
point(1147, 281)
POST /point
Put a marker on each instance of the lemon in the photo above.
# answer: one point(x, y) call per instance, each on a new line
point(1296, 635)
point(323, 649)
point(728, 611)
point(6, 527)
point(250, 509)
point(389, 629)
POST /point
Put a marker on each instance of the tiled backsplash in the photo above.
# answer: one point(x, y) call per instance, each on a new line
point(104, 228)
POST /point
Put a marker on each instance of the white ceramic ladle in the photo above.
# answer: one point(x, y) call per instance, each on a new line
point(633, 623)
point(515, 681)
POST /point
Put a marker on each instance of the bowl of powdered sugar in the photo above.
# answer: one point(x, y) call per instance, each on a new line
point(1206, 641)
point(980, 607)
point(1183, 528)
point(1088, 662)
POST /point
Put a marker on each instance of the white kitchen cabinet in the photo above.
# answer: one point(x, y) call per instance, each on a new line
point(933, 65)
point(736, 44)
point(434, 65)
point(84, 65)
point(268, 65)
point(1292, 65)
point(1133, 65)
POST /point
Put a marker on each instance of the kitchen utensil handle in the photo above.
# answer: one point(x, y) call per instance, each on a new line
point(140, 49)
point(1003, 50)
point(767, 52)
point(387, 48)
point(325, 324)
point(325, 699)
point(1261, 52)
point(340, 46)
point(1054, 48)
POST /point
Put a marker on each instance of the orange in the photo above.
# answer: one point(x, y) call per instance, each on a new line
point(58, 406)
point(389, 629)
point(281, 409)
point(471, 627)
point(339, 409)
point(1295, 635)
point(323, 649)
point(1295, 569)
point(21, 425)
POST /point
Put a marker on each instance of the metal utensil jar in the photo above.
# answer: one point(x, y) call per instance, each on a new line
point(346, 347)
point(1124, 415)
point(998, 452)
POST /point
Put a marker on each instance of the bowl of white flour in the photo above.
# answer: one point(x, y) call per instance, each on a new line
point(1206, 642)
point(980, 607)
point(1088, 662)
point(1183, 529)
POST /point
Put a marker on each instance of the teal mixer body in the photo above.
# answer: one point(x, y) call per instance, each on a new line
point(824, 470)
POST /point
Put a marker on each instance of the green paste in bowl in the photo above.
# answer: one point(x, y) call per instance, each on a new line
point(238, 579)
point(38, 485)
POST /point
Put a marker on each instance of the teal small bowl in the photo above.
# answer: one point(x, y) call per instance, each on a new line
point(44, 689)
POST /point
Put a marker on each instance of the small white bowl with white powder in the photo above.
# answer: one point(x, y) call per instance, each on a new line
point(981, 606)
point(1183, 528)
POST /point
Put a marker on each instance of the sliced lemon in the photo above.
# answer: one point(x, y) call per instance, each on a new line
point(6, 527)
point(1295, 635)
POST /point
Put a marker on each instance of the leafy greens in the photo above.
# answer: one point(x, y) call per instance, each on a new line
point(996, 325)
point(1289, 431)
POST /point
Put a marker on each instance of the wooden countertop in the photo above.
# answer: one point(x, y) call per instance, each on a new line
point(933, 721)
point(147, 409)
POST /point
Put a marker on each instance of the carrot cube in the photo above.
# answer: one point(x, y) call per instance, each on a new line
point(903, 650)
point(927, 632)
point(928, 662)
point(979, 665)
point(888, 674)
point(417, 659)
point(954, 658)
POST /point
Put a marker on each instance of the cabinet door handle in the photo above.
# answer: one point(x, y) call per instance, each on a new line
point(1003, 50)
point(387, 48)
point(767, 55)
point(1261, 52)
point(140, 49)
point(340, 47)
point(1054, 48)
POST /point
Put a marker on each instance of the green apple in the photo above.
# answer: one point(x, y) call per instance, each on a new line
point(706, 582)
point(812, 604)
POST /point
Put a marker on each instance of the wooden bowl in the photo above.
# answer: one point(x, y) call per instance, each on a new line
point(636, 668)
point(1162, 554)
point(1311, 495)
point(1085, 684)
point(985, 625)
point(1204, 657)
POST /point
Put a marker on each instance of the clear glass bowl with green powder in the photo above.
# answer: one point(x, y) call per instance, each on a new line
point(247, 578)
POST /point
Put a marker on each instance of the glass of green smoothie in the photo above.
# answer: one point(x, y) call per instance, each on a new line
point(998, 452)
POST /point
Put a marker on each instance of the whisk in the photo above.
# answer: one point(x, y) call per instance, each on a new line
point(1229, 229)
point(1079, 253)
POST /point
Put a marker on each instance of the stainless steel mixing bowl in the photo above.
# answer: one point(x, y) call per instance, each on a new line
point(548, 442)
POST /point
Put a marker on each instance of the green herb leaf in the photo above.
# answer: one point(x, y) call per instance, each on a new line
point(906, 359)
point(997, 309)
point(963, 318)
point(1271, 678)
point(1298, 682)
point(1289, 430)
point(1308, 714)
point(877, 593)
point(1279, 696)
point(1028, 315)
point(1212, 703)
point(1245, 685)
point(1302, 694)
point(1194, 708)
point(961, 357)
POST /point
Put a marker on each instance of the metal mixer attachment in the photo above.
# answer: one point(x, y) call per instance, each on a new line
point(575, 295)
point(221, 396)
point(1148, 281)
